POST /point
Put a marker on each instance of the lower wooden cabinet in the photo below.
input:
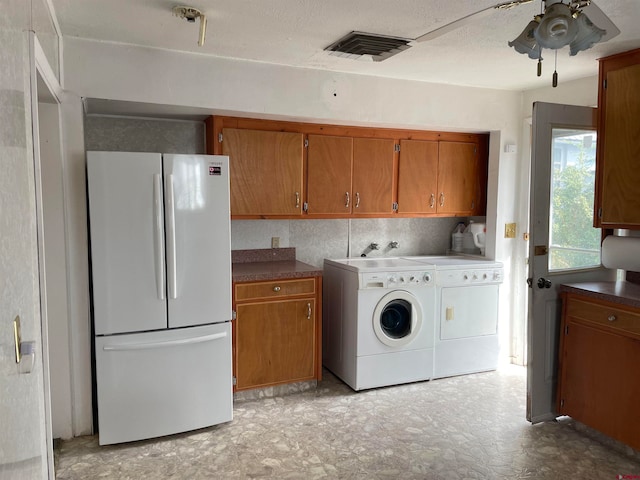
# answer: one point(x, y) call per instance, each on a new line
point(599, 363)
point(277, 332)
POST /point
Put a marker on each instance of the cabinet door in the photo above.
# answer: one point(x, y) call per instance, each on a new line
point(265, 171)
point(417, 176)
point(620, 201)
point(372, 175)
point(599, 384)
point(458, 178)
point(275, 343)
point(329, 174)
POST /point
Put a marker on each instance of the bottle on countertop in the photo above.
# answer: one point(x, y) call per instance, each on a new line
point(468, 246)
point(457, 237)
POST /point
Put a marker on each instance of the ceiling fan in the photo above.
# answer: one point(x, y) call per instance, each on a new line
point(579, 24)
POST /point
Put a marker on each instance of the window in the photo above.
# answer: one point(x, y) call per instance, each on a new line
point(574, 243)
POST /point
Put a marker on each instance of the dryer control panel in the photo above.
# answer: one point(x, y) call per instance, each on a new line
point(473, 276)
point(397, 279)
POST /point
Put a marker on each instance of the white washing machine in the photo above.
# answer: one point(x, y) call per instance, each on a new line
point(466, 326)
point(378, 321)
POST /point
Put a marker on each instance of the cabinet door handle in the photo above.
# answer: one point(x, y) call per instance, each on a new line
point(442, 199)
point(347, 199)
point(297, 199)
point(309, 311)
point(357, 199)
point(432, 200)
point(612, 318)
point(276, 288)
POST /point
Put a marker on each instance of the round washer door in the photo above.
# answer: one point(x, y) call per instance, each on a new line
point(397, 318)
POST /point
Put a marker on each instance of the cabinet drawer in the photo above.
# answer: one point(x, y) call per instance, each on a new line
point(605, 315)
point(274, 289)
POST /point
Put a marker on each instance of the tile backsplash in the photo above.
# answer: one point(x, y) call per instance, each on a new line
point(316, 240)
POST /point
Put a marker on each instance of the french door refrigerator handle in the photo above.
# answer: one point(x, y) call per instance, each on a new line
point(167, 343)
point(159, 236)
point(171, 239)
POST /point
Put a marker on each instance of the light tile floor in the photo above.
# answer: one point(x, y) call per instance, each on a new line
point(468, 427)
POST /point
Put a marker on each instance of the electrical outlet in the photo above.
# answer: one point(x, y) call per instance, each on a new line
point(509, 230)
point(275, 242)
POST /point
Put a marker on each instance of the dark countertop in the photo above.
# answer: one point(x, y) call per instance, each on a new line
point(269, 264)
point(621, 292)
point(277, 270)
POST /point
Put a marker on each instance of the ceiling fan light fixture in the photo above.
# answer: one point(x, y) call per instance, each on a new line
point(557, 27)
point(588, 34)
point(526, 41)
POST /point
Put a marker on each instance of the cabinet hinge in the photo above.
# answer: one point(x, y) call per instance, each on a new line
point(233, 315)
point(600, 212)
point(305, 207)
point(562, 402)
point(235, 381)
point(306, 143)
point(604, 83)
point(566, 330)
point(394, 206)
point(475, 150)
point(396, 147)
point(220, 138)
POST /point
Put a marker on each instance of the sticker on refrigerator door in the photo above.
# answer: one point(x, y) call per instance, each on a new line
point(215, 170)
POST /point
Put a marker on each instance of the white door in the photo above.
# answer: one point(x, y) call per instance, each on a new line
point(127, 241)
point(564, 246)
point(197, 218)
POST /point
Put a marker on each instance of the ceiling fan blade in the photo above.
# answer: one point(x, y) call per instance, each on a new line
point(461, 22)
point(600, 20)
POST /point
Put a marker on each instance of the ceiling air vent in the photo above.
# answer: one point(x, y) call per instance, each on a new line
point(359, 45)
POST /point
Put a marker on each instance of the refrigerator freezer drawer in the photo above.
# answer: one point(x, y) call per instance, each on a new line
point(161, 383)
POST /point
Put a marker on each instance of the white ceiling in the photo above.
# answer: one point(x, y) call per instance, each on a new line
point(295, 32)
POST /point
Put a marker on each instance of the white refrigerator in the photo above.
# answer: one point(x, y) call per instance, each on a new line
point(161, 271)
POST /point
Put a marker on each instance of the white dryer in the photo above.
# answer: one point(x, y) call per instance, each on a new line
point(378, 321)
point(466, 326)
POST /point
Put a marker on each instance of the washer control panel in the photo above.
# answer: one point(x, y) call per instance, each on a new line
point(397, 279)
point(475, 276)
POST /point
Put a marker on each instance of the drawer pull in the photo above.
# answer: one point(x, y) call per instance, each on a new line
point(276, 288)
point(309, 311)
point(611, 318)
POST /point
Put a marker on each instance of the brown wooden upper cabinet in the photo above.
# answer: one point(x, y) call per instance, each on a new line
point(281, 169)
point(266, 171)
point(349, 175)
point(618, 152)
point(330, 167)
point(439, 178)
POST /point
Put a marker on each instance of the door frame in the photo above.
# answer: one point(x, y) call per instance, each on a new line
point(41, 69)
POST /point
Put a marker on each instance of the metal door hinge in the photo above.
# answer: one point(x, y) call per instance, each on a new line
point(306, 143)
point(234, 315)
point(305, 207)
point(220, 138)
point(235, 381)
point(396, 147)
point(394, 206)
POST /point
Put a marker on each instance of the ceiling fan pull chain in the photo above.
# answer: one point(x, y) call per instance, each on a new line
point(539, 61)
point(555, 73)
